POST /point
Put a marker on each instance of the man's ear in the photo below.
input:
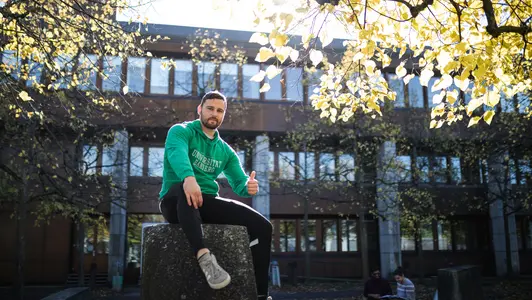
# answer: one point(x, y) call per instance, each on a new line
point(199, 109)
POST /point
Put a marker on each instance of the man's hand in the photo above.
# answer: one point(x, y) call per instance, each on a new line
point(253, 184)
point(193, 192)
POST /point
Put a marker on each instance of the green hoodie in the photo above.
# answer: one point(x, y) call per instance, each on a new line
point(189, 151)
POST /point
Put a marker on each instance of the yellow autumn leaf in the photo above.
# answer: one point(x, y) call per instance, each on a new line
point(24, 96)
point(264, 54)
point(488, 116)
point(473, 121)
point(265, 87)
point(259, 38)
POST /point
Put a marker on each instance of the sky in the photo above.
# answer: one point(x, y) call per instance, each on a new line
point(217, 14)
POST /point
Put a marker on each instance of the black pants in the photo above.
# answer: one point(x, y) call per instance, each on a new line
point(216, 210)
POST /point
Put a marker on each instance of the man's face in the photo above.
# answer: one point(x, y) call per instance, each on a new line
point(376, 274)
point(212, 113)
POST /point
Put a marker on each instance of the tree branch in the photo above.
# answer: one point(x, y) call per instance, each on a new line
point(494, 30)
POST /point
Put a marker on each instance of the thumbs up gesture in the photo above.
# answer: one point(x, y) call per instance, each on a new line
point(253, 184)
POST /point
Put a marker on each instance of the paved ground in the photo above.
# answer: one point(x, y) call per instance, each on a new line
point(30, 293)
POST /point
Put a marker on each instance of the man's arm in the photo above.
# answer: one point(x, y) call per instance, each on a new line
point(176, 148)
point(235, 175)
point(410, 291)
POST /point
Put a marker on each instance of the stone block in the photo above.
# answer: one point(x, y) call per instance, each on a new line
point(79, 293)
point(170, 270)
point(460, 283)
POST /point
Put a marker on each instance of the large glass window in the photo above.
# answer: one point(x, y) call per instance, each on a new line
point(183, 77)
point(461, 234)
point(313, 84)
point(108, 160)
point(294, 84)
point(440, 169)
point(287, 235)
point(415, 92)
point(422, 166)
point(12, 62)
point(330, 236)
point(134, 235)
point(408, 241)
point(397, 85)
point(206, 77)
point(327, 167)
point(155, 161)
point(87, 71)
point(346, 167)
point(307, 165)
point(287, 165)
point(136, 73)
point(456, 170)
point(275, 91)
point(250, 88)
point(430, 93)
point(427, 238)
point(404, 164)
point(349, 235)
point(229, 80)
point(444, 236)
point(112, 70)
point(523, 103)
point(160, 75)
point(136, 161)
point(90, 159)
point(311, 235)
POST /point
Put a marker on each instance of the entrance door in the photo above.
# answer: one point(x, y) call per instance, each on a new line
point(95, 248)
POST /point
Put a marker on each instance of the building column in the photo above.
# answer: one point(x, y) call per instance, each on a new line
point(389, 228)
point(261, 157)
point(497, 190)
point(117, 230)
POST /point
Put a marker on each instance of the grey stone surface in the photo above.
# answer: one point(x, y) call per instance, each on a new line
point(171, 272)
point(389, 229)
point(79, 293)
point(460, 283)
point(261, 156)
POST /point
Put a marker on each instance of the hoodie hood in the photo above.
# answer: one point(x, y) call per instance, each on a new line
point(196, 124)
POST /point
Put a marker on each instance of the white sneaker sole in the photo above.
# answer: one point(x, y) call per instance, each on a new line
point(222, 284)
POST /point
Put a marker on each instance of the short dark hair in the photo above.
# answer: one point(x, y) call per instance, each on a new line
point(399, 272)
point(213, 95)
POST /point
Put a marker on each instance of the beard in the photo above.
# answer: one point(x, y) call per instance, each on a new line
point(211, 123)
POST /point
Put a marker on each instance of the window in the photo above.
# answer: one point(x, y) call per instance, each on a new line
point(468, 92)
point(250, 88)
point(330, 236)
point(271, 162)
point(159, 76)
point(108, 160)
point(440, 169)
point(404, 164)
point(408, 241)
point(287, 165)
point(396, 84)
point(314, 82)
point(287, 235)
point(35, 72)
point(415, 92)
point(422, 165)
point(311, 235)
point(242, 157)
point(88, 69)
point(483, 168)
point(513, 171)
point(307, 165)
point(136, 161)
point(525, 172)
point(346, 167)
point(427, 238)
point(507, 103)
point(90, 159)
point(456, 170)
point(444, 236)
point(155, 161)
point(430, 93)
point(229, 80)
point(206, 77)
point(134, 234)
point(275, 92)
point(349, 235)
point(11, 60)
point(523, 103)
point(294, 84)
point(112, 70)
point(64, 73)
point(327, 167)
point(136, 73)
point(460, 234)
point(183, 77)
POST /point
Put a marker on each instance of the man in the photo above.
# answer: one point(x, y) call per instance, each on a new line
point(405, 287)
point(194, 156)
point(376, 287)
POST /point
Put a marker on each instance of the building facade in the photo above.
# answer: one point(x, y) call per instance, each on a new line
point(337, 231)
